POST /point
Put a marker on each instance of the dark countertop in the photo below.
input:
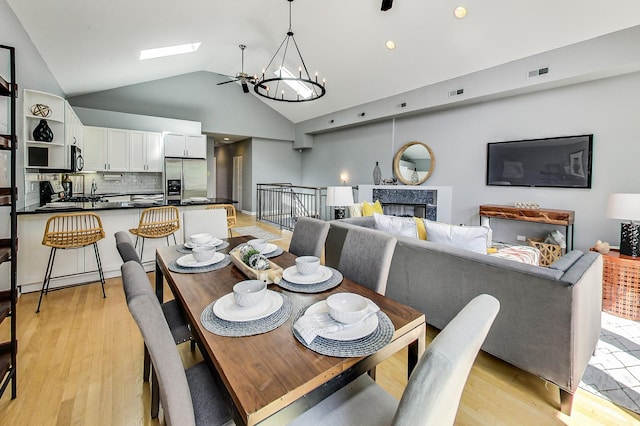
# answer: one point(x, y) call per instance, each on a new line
point(34, 209)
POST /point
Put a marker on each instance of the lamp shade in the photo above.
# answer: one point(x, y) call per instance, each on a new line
point(623, 206)
point(339, 196)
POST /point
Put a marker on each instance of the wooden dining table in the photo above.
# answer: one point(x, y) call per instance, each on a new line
point(271, 378)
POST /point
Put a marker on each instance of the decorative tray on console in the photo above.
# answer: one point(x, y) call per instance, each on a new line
point(271, 275)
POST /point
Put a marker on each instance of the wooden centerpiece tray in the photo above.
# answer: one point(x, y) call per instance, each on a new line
point(271, 275)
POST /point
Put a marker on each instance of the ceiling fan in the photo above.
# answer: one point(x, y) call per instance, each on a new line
point(244, 78)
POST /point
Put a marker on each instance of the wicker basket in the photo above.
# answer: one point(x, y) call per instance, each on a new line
point(549, 253)
point(621, 287)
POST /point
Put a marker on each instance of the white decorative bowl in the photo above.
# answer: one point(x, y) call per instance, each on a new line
point(200, 239)
point(203, 253)
point(250, 292)
point(307, 265)
point(258, 244)
point(347, 308)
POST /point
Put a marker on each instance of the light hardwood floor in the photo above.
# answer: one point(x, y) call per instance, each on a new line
point(80, 362)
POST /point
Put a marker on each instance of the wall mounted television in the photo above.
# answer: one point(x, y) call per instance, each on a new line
point(562, 162)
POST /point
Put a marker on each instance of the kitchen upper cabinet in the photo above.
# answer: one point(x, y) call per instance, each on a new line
point(145, 151)
point(185, 146)
point(106, 149)
point(95, 148)
point(73, 131)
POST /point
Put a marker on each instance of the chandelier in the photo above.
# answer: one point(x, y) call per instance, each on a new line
point(285, 86)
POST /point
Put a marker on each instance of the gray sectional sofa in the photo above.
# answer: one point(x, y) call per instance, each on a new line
point(549, 320)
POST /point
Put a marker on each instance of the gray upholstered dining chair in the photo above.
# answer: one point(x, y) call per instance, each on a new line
point(188, 397)
point(212, 221)
point(435, 387)
point(308, 237)
point(178, 325)
point(366, 257)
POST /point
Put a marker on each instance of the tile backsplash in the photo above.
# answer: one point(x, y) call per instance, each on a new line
point(123, 182)
point(107, 183)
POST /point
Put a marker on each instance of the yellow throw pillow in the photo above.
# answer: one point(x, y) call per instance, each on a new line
point(368, 209)
point(422, 230)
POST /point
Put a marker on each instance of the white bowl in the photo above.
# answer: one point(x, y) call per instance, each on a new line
point(258, 244)
point(347, 308)
point(250, 292)
point(307, 265)
point(200, 239)
point(204, 253)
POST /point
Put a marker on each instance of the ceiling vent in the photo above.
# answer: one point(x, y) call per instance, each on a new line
point(538, 72)
point(456, 92)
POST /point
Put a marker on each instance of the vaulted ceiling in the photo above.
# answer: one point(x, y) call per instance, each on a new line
point(94, 45)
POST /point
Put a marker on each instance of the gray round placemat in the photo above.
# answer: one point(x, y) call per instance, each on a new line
point(353, 348)
point(184, 249)
point(174, 267)
point(334, 281)
point(221, 327)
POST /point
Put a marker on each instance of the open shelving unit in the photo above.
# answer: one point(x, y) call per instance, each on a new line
point(44, 155)
point(8, 194)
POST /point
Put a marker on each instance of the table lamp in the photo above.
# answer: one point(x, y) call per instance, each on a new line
point(339, 197)
point(626, 207)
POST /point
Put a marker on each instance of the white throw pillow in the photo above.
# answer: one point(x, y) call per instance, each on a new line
point(355, 210)
point(473, 238)
point(402, 226)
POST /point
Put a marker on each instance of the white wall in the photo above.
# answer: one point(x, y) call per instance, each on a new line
point(607, 108)
point(120, 120)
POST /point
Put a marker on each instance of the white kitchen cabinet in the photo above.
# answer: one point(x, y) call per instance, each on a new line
point(118, 150)
point(95, 148)
point(185, 146)
point(146, 151)
point(106, 149)
point(73, 132)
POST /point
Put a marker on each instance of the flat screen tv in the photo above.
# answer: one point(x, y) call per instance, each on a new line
point(563, 162)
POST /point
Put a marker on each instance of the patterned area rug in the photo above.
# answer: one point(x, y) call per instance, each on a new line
point(614, 371)
point(256, 232)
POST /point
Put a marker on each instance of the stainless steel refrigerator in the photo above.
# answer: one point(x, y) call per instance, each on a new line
point(184, 179)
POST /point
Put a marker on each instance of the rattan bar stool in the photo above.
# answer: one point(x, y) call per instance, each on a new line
point(231, 213)
point(71, 231)
point(157, 222)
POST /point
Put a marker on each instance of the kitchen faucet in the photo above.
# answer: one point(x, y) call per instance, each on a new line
point(94, 187)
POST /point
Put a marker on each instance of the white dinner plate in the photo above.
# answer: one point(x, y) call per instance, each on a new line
point(292, 275)
point(270, 248)
point(188, 261)
point(213, 242)
point(227, 309)
point(198, 199)
point(350, 331)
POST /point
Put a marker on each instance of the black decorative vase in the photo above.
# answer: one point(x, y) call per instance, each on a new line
point(630, 239)
point(42, 132)
point(377, 174)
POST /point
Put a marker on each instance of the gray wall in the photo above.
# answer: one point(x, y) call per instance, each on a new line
point(459, 136)
point(31, 72)
point(120, 120)
point(265, 161)
point(195, 96)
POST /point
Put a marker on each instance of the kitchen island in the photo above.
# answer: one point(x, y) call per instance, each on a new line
point(77, 266)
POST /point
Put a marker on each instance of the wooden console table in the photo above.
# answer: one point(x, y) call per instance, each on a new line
point(548, 216)
point(621, 285)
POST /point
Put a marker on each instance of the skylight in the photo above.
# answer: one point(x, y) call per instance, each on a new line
point(300, 88)
point(168, 51)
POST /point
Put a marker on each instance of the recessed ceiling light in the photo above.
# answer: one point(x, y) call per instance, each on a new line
point(226, 139)
point(168, 51)
point(390, 44)
point(460, 12)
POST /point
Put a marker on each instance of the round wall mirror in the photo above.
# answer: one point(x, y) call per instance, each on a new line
point(414, 163)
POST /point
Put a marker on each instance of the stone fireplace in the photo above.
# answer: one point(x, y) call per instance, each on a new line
point(430, 202)
point(408, 202)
